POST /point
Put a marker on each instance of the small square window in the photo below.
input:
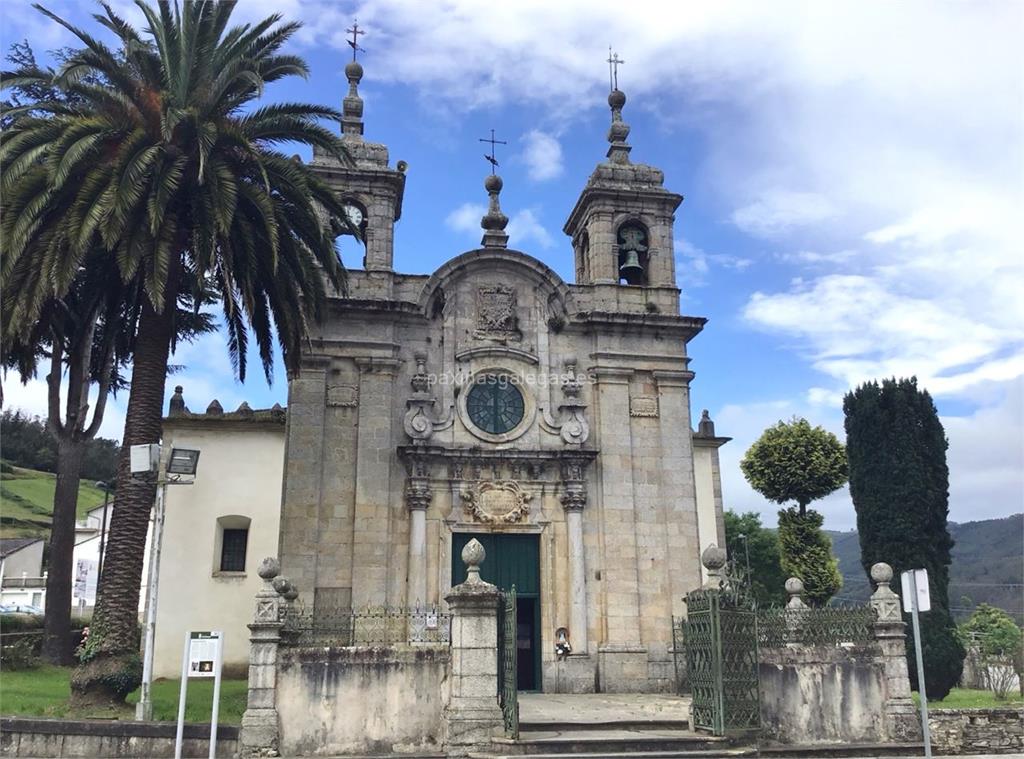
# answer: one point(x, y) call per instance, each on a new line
point(232, 554)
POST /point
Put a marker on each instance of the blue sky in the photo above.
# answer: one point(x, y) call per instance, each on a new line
point(852, 174)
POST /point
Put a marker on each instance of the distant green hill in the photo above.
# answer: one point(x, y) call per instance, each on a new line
point(988, 565)
point(26, 501)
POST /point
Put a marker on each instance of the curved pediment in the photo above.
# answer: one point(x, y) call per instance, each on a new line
point(498, 266)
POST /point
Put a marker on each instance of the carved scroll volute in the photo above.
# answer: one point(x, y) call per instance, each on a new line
point(419, 421)
point(573, 424)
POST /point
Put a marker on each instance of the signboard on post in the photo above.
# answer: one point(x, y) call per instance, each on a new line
point(203, 657)
point(914, 583)
point(915, 589)
point(84, 588)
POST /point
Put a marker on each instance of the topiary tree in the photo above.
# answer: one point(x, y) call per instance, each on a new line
point(793, 461)
point(899, 482)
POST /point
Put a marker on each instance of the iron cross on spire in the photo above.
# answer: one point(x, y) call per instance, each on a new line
point(493, 161)
point(613, 69)
point(353, 43)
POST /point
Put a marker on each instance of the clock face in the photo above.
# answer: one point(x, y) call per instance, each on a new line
point(354, 215)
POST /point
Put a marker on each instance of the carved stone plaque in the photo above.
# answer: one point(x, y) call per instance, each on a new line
point(498, 502)
point(496, 313)
point(342, 395)
point(642, 405)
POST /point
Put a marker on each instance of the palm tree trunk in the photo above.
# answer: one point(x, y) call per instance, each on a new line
point(111, 667)
point(57, 622)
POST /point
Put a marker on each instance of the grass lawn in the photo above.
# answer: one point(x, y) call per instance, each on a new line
point(965, 698)
point(26, 502)
point(44, 691)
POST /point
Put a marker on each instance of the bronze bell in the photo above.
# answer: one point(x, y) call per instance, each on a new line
point(631, 270)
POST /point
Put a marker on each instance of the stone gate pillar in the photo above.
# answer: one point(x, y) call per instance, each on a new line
point(472, 714)
point(901, 722)
point(260, 732)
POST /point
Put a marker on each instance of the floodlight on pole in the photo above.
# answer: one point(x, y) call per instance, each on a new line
point(177, 462)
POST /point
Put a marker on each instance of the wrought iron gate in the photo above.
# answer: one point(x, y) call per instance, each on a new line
point(721, 660)
point(508, 693)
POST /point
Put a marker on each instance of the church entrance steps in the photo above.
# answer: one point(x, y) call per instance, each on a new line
point(615, 748)
point(585, 711)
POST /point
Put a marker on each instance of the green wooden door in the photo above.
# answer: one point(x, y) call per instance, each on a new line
point(511, 560)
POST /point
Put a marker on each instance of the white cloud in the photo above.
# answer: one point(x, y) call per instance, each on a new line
point(542, 154)
point(986, 449)
point(466, 218)
point(523, 227)
point(31, 398)
point(694, 264)
point(778, 211)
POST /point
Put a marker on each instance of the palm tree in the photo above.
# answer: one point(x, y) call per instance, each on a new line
point(173, 168)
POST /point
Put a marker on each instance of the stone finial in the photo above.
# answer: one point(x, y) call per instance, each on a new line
point(884, 601)
point(215, 409)
point(281, 584)
point(714, 559)
point(352, 105)
point(494, 221)
point(177, 404)
point(618, 151)
point(795, 588)
point(473, 555)
point(420, 380)
point(706, 427)
point(269, 568)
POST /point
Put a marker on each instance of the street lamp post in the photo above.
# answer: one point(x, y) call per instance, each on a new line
point(170, 465)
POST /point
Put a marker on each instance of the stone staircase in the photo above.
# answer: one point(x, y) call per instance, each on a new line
point(648, 726)
point(603, 726)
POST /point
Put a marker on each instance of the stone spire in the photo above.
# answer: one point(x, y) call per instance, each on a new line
point(352, 105)
point(494, 221)
point(618, 152)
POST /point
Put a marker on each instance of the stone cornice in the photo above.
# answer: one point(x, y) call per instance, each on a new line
point(673, 377)
point(685, 327)
point(708, 442)
point(616, 194)
point(502, 351)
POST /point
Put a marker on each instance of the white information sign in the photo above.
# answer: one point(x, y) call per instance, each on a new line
point(203, 657)
point(921, 598)
point(85, 579)
point(202, 653)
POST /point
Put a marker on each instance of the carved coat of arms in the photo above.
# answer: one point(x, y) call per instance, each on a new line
point(496, 312)
point(498, 502)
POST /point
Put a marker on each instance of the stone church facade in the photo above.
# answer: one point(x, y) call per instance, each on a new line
point(492, 399)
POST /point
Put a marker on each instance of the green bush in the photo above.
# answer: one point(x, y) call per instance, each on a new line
point(23, 653)
point(18, 622)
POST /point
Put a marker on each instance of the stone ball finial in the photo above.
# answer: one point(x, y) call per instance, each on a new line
point(281, 584)
point(291, 594)
point(269, 568)
point(617, 98)
point(713, 558)
point(473, 554)
point(881, 573)
point(354, 71)
point(179, 389)
point(493, 183)
point(794, 586)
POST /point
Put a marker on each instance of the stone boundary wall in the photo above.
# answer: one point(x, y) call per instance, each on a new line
point(977, 731)
point(52, 738)
point(362, 700)
point(823, 695)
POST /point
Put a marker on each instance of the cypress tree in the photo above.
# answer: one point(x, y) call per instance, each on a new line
point(899, 483)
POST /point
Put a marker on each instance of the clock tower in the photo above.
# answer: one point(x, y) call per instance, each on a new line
point(370, 189)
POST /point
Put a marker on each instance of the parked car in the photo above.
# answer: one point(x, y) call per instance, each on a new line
point(20, 609)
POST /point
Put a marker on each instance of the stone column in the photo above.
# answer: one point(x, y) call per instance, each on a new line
point(472, 714)
point(417, 500)
point(260, 731)
point(574, 499)
point(901, 722)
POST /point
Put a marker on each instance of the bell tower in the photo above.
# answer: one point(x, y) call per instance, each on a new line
point(622, 224)
point(371, 190)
